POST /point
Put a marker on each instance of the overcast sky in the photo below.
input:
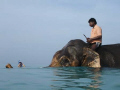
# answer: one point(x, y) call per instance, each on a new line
point(33, 30)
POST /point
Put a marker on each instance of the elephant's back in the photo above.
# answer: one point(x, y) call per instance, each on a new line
point(110, 55)
point(114, 48)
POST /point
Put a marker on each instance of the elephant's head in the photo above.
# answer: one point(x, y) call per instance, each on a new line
point(8, 66)
point(76, 53)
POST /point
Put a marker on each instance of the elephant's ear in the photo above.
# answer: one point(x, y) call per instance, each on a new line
point(55, 62)
point(91, 58)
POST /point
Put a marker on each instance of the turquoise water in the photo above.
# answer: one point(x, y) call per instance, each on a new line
point(66, 78)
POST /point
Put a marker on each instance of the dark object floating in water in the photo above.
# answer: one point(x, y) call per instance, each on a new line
point(8, 66)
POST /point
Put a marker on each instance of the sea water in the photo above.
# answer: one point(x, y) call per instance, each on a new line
point(63, 78)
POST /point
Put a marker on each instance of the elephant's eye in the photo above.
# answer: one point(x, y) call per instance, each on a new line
point(65, 62)
point(84, 56)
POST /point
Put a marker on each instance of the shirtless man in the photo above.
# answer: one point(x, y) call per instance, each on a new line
point(95, 39)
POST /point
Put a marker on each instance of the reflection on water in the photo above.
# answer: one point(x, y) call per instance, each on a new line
point(66, 78)
point(77, 78)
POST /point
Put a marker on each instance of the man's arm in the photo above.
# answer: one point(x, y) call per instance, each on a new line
point(97, 37)
point(23, 65)
point(19, 65)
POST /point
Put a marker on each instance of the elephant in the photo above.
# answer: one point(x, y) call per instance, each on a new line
point(8, 66)
point(77, 53)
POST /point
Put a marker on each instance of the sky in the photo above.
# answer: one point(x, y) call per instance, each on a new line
point(33, 30)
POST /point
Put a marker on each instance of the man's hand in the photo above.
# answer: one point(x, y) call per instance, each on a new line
point(89, 40)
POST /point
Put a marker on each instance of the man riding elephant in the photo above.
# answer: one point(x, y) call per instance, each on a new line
point(91, 54)
point(94, 42)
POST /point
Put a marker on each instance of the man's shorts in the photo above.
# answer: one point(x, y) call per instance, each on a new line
point(98, 44)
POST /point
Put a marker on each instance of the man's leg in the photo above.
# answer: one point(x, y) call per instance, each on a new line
point(93, 47)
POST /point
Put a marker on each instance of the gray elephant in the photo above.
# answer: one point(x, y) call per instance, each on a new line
point(78, 53)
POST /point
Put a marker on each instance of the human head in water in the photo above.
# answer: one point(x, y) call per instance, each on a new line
point(92, 22)
point(20, 64)
point(8, 66)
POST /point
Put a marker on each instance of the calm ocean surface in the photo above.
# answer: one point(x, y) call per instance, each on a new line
point(66, 78)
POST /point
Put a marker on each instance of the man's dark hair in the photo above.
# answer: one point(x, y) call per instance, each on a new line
point(92, 20)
